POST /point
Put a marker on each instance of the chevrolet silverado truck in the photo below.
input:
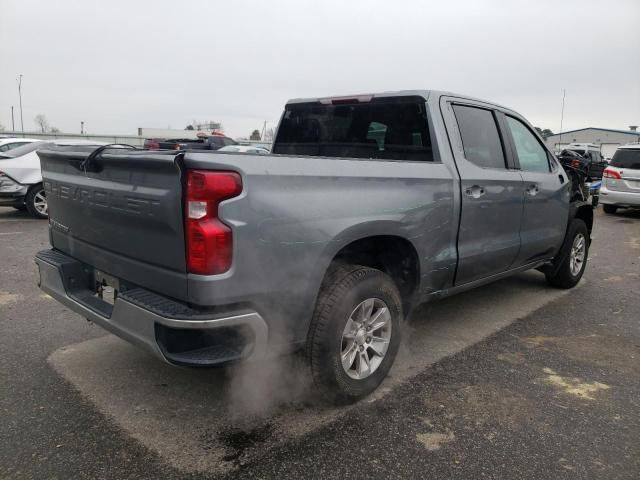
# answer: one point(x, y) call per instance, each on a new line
point(367, 206)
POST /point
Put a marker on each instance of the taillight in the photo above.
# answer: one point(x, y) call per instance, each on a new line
point(609, 173)
point(209, 242)
point(176, 146)
point(575, 163)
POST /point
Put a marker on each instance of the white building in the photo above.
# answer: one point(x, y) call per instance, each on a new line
point(608, 139)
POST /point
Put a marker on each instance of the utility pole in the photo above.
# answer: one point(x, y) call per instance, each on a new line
point(20, 95)
point(81, 128)
point(564, 92)
point(13, 124)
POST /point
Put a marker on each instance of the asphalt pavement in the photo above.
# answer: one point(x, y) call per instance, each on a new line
point(512, 380)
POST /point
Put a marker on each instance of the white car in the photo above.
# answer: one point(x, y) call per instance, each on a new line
point(621, 180)
point(7, 144)
point(21, 179)
point(244, 149)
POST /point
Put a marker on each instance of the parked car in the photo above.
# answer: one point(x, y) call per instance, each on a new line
point(584, 157)
point(244, 149)
point(20, 177)
point(9, 143)
point(206, 142)
point(368, 206)
point(621, 180)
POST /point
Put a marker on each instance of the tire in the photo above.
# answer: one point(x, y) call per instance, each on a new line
point(570, 269)
point(609, 208)
point(346, 294)
point(33, 202)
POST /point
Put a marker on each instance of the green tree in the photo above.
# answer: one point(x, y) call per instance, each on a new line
point(544, 133)
point(255, 135)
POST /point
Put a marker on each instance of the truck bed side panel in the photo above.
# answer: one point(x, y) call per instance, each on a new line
point(296, 213)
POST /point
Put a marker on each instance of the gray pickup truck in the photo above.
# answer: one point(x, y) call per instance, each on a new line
point(367, 206)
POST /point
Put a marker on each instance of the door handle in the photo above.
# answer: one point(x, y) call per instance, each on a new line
point(561, 177)
point(532, 190)
point(474, 192)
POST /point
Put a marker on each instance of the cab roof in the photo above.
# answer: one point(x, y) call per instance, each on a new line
point(434, 95)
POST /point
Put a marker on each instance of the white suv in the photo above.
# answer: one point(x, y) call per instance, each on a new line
point(621, 179)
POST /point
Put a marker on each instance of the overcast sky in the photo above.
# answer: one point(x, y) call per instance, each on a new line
point(120, 65)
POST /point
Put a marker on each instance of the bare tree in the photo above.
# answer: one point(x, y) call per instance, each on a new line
point(54, 130)
point(42, 122)
point(207, 125)
point(268, 135)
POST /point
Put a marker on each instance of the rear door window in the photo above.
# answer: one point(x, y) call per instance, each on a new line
point(626, 158)
point(531, 154)
point(394, 129)
point(480, 137)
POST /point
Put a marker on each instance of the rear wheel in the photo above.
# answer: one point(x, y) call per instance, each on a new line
point(355, 332)
point(572, 258)
point(609, 208)
point(36, 202)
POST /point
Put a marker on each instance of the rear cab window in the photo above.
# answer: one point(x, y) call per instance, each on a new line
point(626, 158)
point(392, 128)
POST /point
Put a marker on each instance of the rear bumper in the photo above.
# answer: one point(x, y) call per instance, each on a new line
point(621, 199)
point(171, 330)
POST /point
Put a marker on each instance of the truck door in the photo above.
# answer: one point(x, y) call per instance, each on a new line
point(491, 192)
point(546, 194)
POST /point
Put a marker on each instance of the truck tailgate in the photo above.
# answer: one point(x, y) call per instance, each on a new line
point(123, 216)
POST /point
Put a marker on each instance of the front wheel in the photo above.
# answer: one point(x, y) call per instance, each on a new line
point(609, 208)
point(572, 259)
point(36, 202)
point(355, 332)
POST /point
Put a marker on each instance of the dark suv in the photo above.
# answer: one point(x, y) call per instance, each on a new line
point(590, 163)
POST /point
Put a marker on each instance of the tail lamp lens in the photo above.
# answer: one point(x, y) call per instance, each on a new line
point(209, 241)
point(609, 173)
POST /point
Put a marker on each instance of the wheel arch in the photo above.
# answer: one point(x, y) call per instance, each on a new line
point(391, 253)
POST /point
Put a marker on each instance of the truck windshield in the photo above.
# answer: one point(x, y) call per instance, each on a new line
point(394, 129)
point(626, 158)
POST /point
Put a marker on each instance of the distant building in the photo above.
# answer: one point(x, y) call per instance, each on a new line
point(608, 139)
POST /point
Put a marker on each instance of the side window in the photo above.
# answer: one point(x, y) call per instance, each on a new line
point(11, 146)
point(4, 148)
point(480, 137)
point(531, 155)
